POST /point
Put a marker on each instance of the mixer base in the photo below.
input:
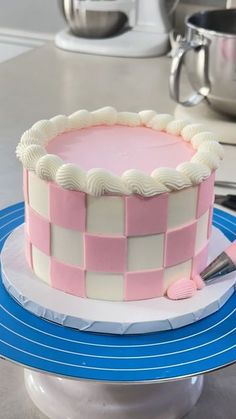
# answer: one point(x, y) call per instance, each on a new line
point(130, 43)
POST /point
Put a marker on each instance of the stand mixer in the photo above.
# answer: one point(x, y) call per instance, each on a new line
point(126, 28)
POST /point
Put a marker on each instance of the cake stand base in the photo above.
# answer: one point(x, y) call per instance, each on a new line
point(60, 398)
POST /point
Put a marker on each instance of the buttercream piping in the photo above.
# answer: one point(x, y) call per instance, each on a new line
point(190, 130)
point(130, 119)
point(210, 160)
point(171, 178)
point(146, 116)
point(80, 119)
point(106, 116)
point(33, 155)
point(47, 167)
point(101, 181)
point(142, 184)
point(61, 123)
point(201, 138)
point(70, 176)
point(46, 127)
point(196, 172)
point(33, 136)
point(160, 122)
point(212, 147)
point(175, 126)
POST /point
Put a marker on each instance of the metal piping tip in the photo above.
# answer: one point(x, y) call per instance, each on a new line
point(220, 266)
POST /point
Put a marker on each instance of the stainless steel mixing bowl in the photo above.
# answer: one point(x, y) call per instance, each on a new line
point(91, 23)
point(208, 53)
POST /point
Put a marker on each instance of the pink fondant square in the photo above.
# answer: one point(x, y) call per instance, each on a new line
point(144, 285)
point(67, 278)
point(200, 261)
point(25, 186)
point(210, 222)
point(27, 219)
point(146, 215)
point(38, 230)
point(105, 254)
point(67, 208)
point(180, 244)
point(28, 251)
point(205, 195)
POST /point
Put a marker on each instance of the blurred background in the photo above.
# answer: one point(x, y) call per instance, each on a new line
point(25, 24)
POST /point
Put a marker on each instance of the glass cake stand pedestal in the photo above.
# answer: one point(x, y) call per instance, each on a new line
point(60, 398)
point(72, 374)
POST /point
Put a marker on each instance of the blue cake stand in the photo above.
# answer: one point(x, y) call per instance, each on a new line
point(86, 372)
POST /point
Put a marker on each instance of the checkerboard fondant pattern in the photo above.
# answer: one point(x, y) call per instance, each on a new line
point(116, 247)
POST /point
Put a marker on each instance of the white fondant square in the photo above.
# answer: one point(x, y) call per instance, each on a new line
point(67, 245)
point(172, 274)
point(145, 252)
point(38, 194)
point(202, 231)
point(182, 207)
point(41, 264)
point(105, 215)
point(105, 286)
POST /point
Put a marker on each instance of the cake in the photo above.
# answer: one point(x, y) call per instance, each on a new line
point(118, 205)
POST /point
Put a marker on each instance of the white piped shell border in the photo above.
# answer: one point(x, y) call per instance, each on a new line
point(33, 155)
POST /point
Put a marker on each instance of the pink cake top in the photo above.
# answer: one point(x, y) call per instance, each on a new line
point(106, 151)
point(118, 148)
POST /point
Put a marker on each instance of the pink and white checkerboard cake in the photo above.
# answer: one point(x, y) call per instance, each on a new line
point(118, 205)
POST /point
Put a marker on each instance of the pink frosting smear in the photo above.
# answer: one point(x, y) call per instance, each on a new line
point(200, 284)
point(231, 252)
point(118, 148)
point(181, 289)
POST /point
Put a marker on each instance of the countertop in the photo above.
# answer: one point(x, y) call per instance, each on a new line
point(47, 81)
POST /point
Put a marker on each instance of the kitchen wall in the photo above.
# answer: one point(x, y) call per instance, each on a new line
point(31, 15)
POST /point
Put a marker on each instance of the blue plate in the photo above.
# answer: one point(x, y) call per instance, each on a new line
point(36, 343)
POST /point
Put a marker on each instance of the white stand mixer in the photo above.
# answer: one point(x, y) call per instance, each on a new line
point(146, 35)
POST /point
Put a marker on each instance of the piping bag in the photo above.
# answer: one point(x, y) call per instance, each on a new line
point(221, 265)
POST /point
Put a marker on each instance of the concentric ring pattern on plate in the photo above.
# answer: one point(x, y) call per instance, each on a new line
point(36, 343)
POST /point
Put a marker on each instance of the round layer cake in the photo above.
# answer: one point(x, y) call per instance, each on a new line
point(119, 205)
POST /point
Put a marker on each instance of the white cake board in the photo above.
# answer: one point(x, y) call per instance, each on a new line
point(104, 316)
point(223, 125)
point(61, 398)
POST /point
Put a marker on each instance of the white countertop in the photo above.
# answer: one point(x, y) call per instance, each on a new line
point(46, 82)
